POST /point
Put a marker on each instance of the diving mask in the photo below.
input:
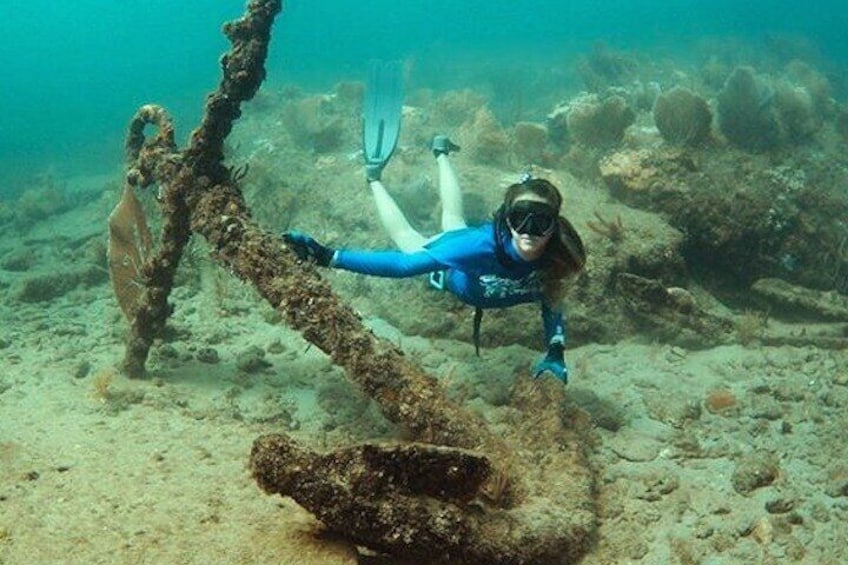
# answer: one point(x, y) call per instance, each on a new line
point(530, 217)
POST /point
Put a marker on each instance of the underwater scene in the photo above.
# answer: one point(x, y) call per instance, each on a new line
point(425, 282)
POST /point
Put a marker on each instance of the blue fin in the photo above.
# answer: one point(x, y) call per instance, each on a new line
point(381, 111)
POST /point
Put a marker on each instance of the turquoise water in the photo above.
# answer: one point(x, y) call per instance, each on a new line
point(75, 72)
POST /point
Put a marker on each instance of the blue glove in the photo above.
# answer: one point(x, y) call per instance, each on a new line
point(306, 248)
point(553, 362)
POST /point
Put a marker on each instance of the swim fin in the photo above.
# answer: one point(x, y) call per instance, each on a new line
point(381, 112)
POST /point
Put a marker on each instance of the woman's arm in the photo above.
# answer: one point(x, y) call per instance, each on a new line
point(554, 361)
point(392, 264)
point(554, 324)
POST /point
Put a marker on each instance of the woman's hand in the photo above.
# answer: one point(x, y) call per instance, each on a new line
point(306, 248)
point(553, 362)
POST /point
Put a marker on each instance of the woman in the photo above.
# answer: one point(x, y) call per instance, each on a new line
point(524, 255)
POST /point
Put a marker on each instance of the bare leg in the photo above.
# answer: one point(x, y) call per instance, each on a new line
point(394, 222)
point(452, 215)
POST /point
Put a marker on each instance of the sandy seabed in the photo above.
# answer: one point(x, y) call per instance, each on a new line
point(728, 455)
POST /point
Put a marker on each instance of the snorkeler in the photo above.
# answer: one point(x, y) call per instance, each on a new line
point(525, 254)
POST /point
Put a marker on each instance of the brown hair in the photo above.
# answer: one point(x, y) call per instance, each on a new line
point(564, 254)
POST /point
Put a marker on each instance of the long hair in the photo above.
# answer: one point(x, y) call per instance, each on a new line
point(564, 254)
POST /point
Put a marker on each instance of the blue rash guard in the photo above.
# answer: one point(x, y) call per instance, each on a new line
point(473, 271)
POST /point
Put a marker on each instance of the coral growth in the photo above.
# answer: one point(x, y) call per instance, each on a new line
point(605, 67)
point(456, 105)
point(797, 111)
point(743, 223)
point(746, 112)
point(759, 113)
point(714, 72)
point(45, 198)
point(751, 326)
point(612, 229)
point(589, 119)
point(683, 117)
point(814, 83)
point(528, 141)
point(643, 95)
point(316, 123)
point(486, 140)
point(101, 383)
point(720, 400)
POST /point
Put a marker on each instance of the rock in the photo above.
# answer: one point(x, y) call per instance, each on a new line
point(670, 408)
point(780, 505)
point(49, 286)
point(683, 323)
point(657, 484)
point(647, 178)
point(741, 226)
point(208, 355)
point(836, 485)
point(754, 471)
point(630, 171)
point(794, 299)
point(633, 446)
point(82, 369)
point(19, 260)
point(604, 413)
point(252, 360)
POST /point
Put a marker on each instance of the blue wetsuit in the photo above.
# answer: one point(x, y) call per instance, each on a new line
point(473, 271)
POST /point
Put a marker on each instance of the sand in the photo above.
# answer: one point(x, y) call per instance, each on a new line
point(728, 455)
